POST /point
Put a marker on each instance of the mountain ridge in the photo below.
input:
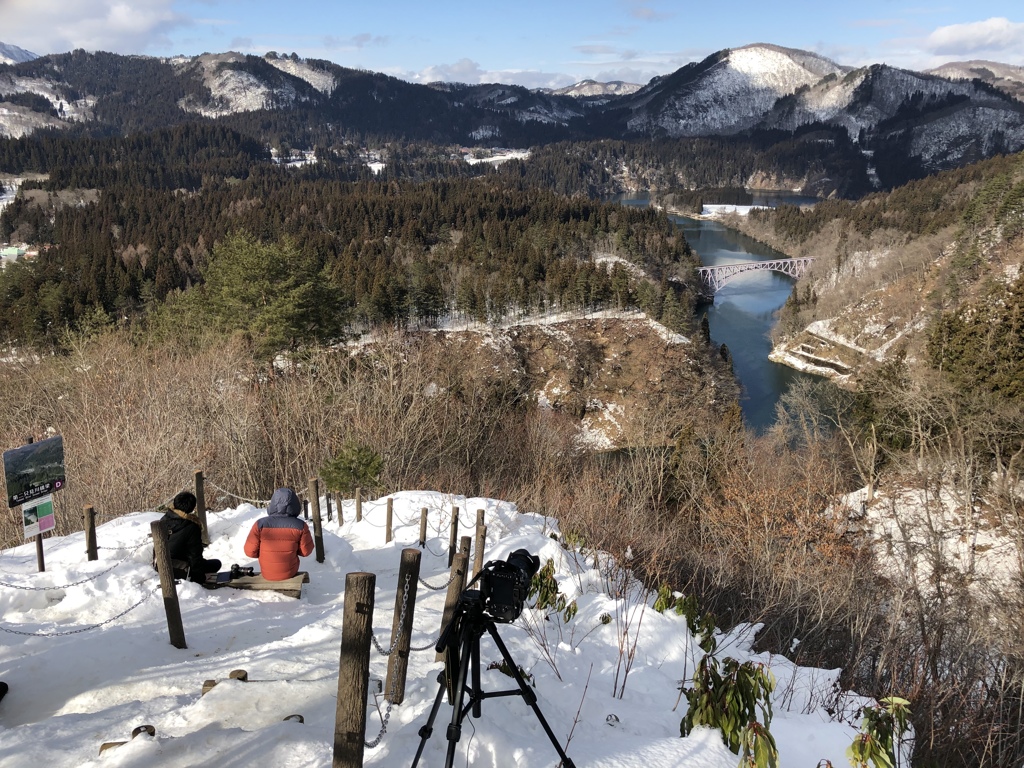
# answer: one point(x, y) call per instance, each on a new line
point(894, 116)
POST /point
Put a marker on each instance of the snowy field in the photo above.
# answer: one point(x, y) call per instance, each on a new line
point(82, 674)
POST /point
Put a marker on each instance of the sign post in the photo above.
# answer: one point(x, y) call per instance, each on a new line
point(33, 473)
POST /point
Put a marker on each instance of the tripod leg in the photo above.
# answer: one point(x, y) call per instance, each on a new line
point(469, 639)
point(428, 727)
point(474, 696)
point(529, 696)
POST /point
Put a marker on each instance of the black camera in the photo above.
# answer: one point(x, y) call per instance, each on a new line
point(237, 571)
point(504, 585)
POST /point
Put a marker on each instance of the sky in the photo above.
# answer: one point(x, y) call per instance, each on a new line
point(85, 650)
point(553, 43)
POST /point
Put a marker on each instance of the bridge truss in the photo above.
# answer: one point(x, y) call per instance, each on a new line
point(713, 278)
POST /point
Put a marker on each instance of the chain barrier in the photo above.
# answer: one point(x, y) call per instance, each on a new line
point(435, 554)
point(254, 502)
point(443, 586)
point(83, 629)
point(401, 623)
point(86, 580)
point(387, 715)
point(394, 678)
point(428, 646)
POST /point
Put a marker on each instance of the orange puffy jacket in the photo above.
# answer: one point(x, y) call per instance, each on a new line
point(280, 538)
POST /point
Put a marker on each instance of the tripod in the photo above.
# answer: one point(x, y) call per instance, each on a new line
point(460, 643)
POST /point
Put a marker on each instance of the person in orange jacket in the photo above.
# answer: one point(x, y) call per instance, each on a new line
point(280, 538)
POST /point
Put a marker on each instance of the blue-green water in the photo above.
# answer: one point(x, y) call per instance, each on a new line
point(743, 313)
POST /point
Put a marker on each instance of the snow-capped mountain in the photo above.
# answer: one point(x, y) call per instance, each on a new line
point(12, 54)
point(935, 121)
point(728, 92)
point(1006, 77)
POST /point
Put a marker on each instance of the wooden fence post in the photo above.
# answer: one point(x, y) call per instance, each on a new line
point(201, 504)
point(170, 592)
point(388, 520)
point(338, 503)
point(327, 501)
point(465, 546)
point(423, 527)
point(479, 518)
point(453, 537)
point(456, 584)
point(354, 671)
point(359, 504)
point(478, 552)
point(318, 531)
point(305, 509)
point(401, 629)
point(90, 533)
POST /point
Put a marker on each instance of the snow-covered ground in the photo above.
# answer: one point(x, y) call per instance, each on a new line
point(497, 156)
point(81, 673)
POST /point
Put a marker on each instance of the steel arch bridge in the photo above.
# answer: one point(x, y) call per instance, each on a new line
point(713, 278)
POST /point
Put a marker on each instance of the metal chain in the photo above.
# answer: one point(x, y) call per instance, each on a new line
point(83, 629)
point(443, 586)
point(394, 678)
point(254, 502)
point(86, 580)
point(435, 554)
point(401, 623)
point(428, 646)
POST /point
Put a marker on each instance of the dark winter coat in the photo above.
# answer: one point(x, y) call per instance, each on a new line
point(280, 538)
point(185, 542)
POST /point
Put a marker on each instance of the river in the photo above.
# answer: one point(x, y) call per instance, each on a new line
point(743, 312)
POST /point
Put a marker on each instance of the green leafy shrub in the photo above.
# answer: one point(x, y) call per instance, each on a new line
point(881, 731)
point(735, 698)
point(354, 466)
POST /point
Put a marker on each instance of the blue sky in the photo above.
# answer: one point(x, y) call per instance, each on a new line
point(534, 43)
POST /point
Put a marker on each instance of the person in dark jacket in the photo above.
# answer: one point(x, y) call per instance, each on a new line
point(280, 538)
point(185, 539)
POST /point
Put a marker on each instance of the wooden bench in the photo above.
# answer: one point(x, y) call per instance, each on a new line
point(291, 587)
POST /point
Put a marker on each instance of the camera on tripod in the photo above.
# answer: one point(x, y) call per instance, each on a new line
point(504, 585)
point(237, 571)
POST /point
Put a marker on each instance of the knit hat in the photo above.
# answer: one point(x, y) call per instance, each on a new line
point(184, 502)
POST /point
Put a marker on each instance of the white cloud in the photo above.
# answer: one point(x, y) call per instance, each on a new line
point(469, 71)
point(57, 26)
point(968, 40)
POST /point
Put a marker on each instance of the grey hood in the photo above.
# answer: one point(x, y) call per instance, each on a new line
point(284, 503)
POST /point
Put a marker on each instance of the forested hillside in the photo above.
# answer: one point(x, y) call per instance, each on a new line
point(174, 207)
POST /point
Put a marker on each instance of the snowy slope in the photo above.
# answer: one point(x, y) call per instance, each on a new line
point(84, 648)
point(731, 91)
point(1006, 77)
point(12, 54)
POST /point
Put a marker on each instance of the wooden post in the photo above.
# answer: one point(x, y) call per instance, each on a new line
point(423, 527)
point(338, 503)
point(201, 504)
point(318, 531)
point(40, 558)
point(354, 671)
point(398, 661)
point(465, 546)
point(387, 523)
point(163, 565)
point(455, 587)
point(478, 553)
point(359, 504)
point(327, 501)
point(305, 508)
point(90, 533)
point(479, 518)
point(453, 536)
